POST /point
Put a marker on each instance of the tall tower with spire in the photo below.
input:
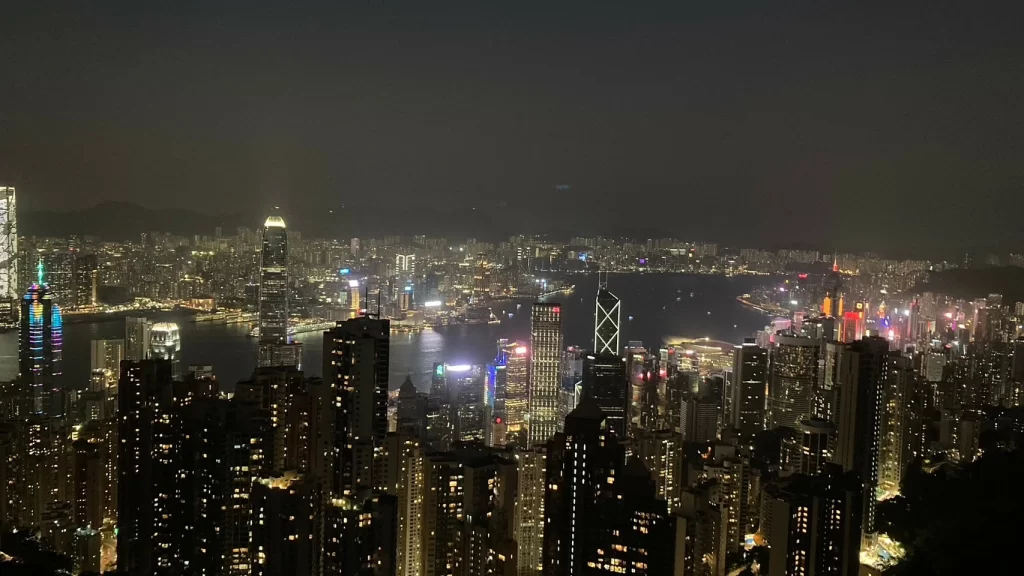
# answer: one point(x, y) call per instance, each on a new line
point(40, 350)
point(607, 316)
point(275, 348)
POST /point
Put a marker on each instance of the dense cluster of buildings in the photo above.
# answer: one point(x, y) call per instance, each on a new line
point(552, 459)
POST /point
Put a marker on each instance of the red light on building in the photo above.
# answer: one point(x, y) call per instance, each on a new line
point(802, 276)
point(662, 372)
point(557, 309)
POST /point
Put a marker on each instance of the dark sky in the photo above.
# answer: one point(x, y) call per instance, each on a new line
point(825, 123)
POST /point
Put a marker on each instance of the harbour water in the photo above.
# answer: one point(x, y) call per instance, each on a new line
point(661, 306)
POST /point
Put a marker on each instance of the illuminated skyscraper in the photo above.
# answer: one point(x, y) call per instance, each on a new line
point(607, 315)
point(794, 373)
point(137, 339)
point(511, 388)
point(750, 374)
point(8, 258)
point(545, 371)
point(273, 326)
point(40, 351)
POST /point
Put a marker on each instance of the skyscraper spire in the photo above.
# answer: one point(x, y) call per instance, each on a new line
point(607, 314)
point(39, 272)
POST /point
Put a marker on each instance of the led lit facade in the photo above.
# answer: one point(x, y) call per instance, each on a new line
point(41, 350)
point(607, 316)
point(8, 258)
point(545, 372)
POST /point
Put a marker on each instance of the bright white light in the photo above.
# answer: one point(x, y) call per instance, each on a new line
point(432, 303)
point(793, 302)
point(520, 350)
point(906, 312)
point(353, 283)
point(458, 367)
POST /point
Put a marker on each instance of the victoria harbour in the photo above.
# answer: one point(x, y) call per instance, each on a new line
point(655, 307)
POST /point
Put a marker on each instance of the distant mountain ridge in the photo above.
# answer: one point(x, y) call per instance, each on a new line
point(126, 220)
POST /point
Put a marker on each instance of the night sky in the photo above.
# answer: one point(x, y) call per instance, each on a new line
point(854, 125)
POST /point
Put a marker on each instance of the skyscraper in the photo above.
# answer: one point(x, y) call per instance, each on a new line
point(794, 373)
point(275, 348)
point(863, 371)
point(8, 258)
point(607, 315)
point(356, 368)
point(750, 374)
point(41, 350)
point(604, 380)
point(146, 542)
point(137, 338)
point(545, 371)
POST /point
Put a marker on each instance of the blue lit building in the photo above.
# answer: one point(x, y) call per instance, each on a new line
point(40, 350)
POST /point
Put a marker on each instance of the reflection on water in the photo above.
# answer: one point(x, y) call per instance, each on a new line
point(659, 304)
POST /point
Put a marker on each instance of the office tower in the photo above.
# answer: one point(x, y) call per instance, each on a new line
point(607, 316)
point(40, 351)
point(825, 391)
point(147, 537)
point(137, 339)
point(287, 538)
point(356, 369)
point(545, 372)
point(529, 510)
point(604, 380)
point(817, 438)
point(274, 283)
point(815, 524)
point(275, 347)
point(582, 466)
point(106, 356)
point(405, 263)
point(224, 450)
point(699, 422)
point(863, 371)
point(793, 375)
point(464, 384)
point(9, 282)
point(750, 371)
point(165, 344)
point(411, 411)
point(833, 303)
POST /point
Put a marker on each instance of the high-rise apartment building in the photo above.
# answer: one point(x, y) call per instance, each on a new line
point(750, 383)
point(545, 372)
point(863, 372)
point(287, 537)
point(148, 535)
point(529, 513)
point(356, 368)
point(815, 524)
